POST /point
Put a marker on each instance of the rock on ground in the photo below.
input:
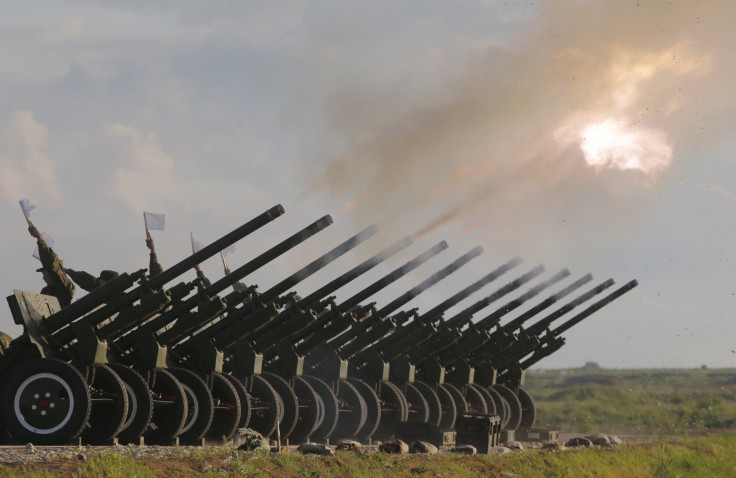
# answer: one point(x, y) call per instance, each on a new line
point(579, 441)
point(315, 449)
point(423, 447)
point(396, 447)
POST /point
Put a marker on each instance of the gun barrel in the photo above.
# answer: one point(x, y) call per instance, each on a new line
point(438, 310)
point(495, 317)
point(594, 307)
point(516, 323)
point(430, 281)
point(356, 271)
point(392, 277)
point(268, 256)
point(89, 302)
point(540, 326)
point(210, 250)
point(318, 264)
point(466, 315)
point(251, 266)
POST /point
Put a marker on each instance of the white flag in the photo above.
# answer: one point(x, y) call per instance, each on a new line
point(27, 207)
point(49, 242)
point(229, 250)
point(196, 245)
point(154, 222)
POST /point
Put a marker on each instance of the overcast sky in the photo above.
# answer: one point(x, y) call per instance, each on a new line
point(596, 136)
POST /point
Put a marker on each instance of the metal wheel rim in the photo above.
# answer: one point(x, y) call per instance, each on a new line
point(41, 399)
point(192, 410)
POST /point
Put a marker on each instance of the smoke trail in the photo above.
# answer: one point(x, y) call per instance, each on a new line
point(618, 85)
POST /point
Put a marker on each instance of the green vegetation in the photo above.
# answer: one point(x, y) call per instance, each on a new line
point(649, 402)
point(684, 457)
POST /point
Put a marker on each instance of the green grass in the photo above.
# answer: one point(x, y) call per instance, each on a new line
point(684, 457)
point(666, 402)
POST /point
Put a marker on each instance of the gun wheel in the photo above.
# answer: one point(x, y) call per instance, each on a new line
point(266, 406)
point(433, 402)
point(476, 402)
point(449, 408)
point(372, 408)
point(140, 403)
point(289, 401)
point(417, 404)
point(394, 409)
point(514, 415)
point(109, 407)
point(169, 408)
point(227, 408)
point(501, 405)
point(45, 401)
point(242, 397)
point(330, 408)
point(528, 409)
point(352, 413)
point(201, 407)
point(487, 397)
point(310, 410)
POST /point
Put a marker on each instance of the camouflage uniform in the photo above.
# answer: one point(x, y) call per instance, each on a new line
point(154, 268)
point(89, 282)
point(205, 281)
point(61, 286)
point(4, 342)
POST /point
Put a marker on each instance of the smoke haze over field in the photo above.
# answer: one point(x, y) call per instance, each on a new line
point(596, 136)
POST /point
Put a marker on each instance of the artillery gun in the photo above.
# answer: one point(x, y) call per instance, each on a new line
point(55, 375)
point(357, 353)
point(133, 358)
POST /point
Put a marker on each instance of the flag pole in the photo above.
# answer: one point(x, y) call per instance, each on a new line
point(28, 220)
point(222, 256)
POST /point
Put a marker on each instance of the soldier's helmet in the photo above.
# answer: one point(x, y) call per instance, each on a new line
point(107, 275)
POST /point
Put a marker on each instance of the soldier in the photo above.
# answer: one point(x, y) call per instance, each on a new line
point(57, 282)
point(238, 286)
point(4, 342)
point(89, 282)
point(154, 268)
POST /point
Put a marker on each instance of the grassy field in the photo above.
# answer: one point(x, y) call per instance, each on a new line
point(650, 402)
point(687, 457)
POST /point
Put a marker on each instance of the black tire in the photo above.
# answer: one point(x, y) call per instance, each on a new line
point(310, 411)
point(528, 409)
point(514, 406)
point(266, 406)
point(289, 402)
point(502, 408)
point(330, 408)
point(227, 409)
point(244, 399)
point(169, 408)
point(45, 401)
point(352, 411)
point(433, 402)
point(140, 404)
point(418, 406)
point(201, 407)
point(372, 408)
point(487, 398)
point(109, 407)
point(475, 400)
point(461, 405)
point(449, 409)
point(394, 410)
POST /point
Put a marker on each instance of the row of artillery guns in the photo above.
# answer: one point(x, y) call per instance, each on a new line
point(141, 359)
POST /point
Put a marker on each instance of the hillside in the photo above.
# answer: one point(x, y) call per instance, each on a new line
point(633, 402)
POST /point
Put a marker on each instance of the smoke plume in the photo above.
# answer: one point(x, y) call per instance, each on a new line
point(593, 105)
